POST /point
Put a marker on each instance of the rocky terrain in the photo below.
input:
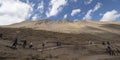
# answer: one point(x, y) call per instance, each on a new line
point(74, 37)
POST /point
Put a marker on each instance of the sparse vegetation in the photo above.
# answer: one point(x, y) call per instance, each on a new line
point(73, 46)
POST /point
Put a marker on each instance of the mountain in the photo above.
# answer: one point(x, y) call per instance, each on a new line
point(66, 26)
point(73, 35)
point(102, 29)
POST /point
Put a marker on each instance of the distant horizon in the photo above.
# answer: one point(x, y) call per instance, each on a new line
point(58, 20)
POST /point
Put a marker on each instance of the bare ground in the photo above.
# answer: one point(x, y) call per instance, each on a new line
point(74, 46)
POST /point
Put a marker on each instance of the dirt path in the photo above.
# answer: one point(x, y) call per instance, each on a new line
point(90, 57)
point(95, 57)
point(5, 42)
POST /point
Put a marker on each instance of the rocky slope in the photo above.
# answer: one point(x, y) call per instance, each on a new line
point(74, 36)
point(102, 29)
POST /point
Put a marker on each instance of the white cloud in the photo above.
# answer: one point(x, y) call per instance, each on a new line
point(88, 2)
point(34, 18)
point(89, 13)
point(13, 11)
point(75, 11)
point(55, 7)
point(65, 16)
point(97, 7)
point(41, 7)
point(110, 16)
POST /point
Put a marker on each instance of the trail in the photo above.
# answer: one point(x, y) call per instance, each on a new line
point(90, 57)
point(4, 42)
point(95, 57)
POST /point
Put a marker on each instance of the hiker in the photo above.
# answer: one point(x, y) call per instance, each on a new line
point(108, 43)
point(15, 43)
point(117, 51)
point(43, 45)
point(110, 51)
point(103, 43)
point(24, 43)
point(31, 45)
point(1, 35)
point(90, 42)
point(58, 43)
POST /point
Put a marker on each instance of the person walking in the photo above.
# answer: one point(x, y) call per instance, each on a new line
point(1, 35)
point(117, 51)
point(108, 43)
point(58, 43)
point(110, 51)
point(24, 43)
point(31, 45)
point(15, 43)
point(103, 43)
point(43, 45)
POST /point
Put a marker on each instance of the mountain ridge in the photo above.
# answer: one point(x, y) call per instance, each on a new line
point(67, 26)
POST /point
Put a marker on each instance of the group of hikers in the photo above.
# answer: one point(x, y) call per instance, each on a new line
point(24, 44)
point(109, 49)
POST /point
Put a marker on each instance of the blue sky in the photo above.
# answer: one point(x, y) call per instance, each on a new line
point(14, 11)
